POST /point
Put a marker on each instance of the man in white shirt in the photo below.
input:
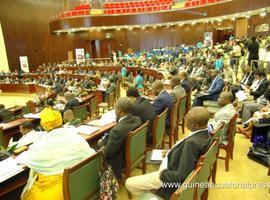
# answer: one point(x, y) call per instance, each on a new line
point(179, 161)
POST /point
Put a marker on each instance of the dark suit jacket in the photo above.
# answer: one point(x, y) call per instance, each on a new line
point(186, 84)
point(115, 145)
point(182, 160)
point(250, 79)
point(71, 104)
point(216, 89)
point(261, 89)
point(144, 110)
point(163, 101)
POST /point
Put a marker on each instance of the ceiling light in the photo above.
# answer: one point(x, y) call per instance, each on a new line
point(118, 29)
point(263, 14)
point(143, 27)
point(154, 26)
point(130, 28)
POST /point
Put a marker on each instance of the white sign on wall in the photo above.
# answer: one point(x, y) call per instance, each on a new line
point(208, 38)
point(79, 56)
point(24, 63)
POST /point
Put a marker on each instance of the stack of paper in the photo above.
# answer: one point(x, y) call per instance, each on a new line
point(87, 130)
point(9, 168)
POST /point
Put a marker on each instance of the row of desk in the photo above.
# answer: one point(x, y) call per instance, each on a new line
point(20, 179)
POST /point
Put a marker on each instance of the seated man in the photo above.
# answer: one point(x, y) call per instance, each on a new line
point(177, 90)
point(115, 143)
point(248, 108)
point(185, 82)
point(69, 119)
point(71, 101)
point(224, 115)
point(259, 87)
point(213, 92)
point(47, 158)
point(180, 160)
point(163, 100)
point(143, 109)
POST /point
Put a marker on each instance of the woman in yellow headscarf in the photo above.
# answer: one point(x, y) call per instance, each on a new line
point(47, 158)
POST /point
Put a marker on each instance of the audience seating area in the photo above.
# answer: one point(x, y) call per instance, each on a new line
point(136, 6)
point(193, 3)
point(132, 7)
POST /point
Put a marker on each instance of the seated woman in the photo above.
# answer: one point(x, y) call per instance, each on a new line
point(47, 158)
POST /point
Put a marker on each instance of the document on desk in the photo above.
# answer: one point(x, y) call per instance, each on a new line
point(9, 168)
point(87, 130)
point(106, 118)
point(32, 116)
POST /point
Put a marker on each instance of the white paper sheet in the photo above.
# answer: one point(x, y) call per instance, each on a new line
point(9, 168)
point(87, 130)
point(32, 116)
point(157, 155)
point(241, 95)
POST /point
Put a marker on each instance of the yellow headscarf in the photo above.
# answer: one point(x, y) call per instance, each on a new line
point(50, 119)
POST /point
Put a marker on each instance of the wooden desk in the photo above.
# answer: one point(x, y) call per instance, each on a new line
point(22, 88)
point(12, 128)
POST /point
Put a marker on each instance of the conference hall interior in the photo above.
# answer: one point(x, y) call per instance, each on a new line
point(134, 99)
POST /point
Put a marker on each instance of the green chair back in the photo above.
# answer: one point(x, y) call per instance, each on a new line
point(187, 190)
point(174, 116)
point(136, 146)
point(159, 127)
point(81, 112)
point(182, 108)
point(208, 160)
point(81, 181)
point(93, 106)
point(217, 133)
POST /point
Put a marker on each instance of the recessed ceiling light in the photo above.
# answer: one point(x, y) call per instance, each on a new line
point(130, 28)
point(118, 29)
point(263, 14)
point(143, 27)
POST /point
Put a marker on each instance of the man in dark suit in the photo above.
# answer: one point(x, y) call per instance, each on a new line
point(115, 144)
point(71, 101)
point(253, 49)
point(246, 81)
point(185, 82)
point(143, 109)
point(179, 161)
point(214, 90)
point(163, 100)
point(261, 86)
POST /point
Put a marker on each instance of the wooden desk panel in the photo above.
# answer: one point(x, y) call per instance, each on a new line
point(21, 88)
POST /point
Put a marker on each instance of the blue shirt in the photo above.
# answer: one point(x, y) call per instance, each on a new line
point(139, 81)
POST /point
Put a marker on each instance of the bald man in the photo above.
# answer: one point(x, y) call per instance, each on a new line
point(185, 82)
point(179, 161)
point(163, 100)
point(224, 115)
